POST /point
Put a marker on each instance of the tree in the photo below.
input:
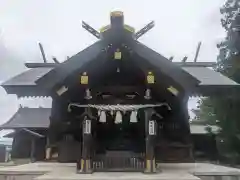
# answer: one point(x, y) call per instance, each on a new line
point(225, 111)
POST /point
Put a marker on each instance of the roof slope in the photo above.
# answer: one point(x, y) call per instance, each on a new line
point(207, 76)
point(29, 118)
point(163, 65)
point(98, 53)
point(210, 82)
point(27, 78)
point(76, 62)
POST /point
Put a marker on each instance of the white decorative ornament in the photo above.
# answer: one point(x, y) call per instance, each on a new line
point(118, 118)
point(133, 117)
point(102, 117)
point(62, 90)
point(87, 127)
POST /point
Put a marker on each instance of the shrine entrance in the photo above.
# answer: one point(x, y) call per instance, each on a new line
point(119, 147)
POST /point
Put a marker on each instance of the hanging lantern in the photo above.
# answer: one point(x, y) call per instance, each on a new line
point(118, 54)
point(88, 94)
point(118, 118)
point(147, 94)
point(84, 78)
point(102, 117)
point(133, 117)
point(150, 78)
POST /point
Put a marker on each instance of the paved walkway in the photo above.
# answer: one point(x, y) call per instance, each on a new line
point(67, 171)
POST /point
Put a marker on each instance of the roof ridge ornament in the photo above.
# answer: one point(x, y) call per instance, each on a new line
point(91, 30)
point(145, 29)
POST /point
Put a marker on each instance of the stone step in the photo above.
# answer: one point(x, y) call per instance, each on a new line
point(116, 176)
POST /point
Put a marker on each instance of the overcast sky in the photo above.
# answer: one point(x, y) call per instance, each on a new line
point(180, 25)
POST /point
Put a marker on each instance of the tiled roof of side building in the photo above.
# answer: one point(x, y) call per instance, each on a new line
point(208, 76)
point(29, 118)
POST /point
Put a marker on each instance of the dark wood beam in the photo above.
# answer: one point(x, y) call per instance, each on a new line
point(196, 64)
point(55, 60)
point(197, 51)
point(183, 64)
point(43, 53)
point(38, 65)
point(118, 89)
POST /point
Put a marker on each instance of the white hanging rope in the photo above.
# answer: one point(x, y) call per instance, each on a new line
point(118, 107)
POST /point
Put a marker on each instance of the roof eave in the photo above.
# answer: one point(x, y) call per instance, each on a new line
point(216, 90)
point(25, 90)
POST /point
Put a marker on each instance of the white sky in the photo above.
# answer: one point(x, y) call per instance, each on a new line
point(180, 25)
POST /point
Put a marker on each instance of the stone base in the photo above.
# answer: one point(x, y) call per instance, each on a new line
point(169, 171)
point(85, 172)
point(117, 176)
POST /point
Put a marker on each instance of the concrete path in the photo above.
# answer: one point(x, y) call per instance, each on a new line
point(67, 171)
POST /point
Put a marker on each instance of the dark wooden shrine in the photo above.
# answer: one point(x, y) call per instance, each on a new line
point(116, 106)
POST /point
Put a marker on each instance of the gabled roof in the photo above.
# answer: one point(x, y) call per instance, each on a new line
point(29, 118)
point(93, 58)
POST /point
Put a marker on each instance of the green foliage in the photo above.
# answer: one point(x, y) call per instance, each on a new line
point(225, 111)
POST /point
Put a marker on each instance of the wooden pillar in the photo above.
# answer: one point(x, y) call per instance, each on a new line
point(33, 149)
point(86, 162)
point(48, 150)
point(150, 130)
point(53, 129)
